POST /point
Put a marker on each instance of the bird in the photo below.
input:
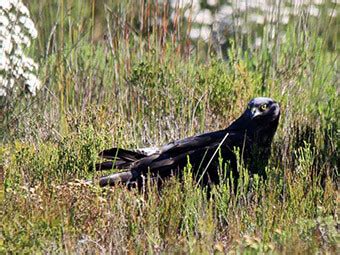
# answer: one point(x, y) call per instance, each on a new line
point(249, 137)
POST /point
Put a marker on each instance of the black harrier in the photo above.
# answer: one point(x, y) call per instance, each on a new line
point(251, 134)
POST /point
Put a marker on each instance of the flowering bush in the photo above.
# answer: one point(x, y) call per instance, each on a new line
point(17, 71)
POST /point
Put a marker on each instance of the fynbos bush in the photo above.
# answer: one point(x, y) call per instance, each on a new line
point(17, 71)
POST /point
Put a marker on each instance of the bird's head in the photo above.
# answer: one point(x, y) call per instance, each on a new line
point(262, 109)
point(262, 118)
point(261, 114)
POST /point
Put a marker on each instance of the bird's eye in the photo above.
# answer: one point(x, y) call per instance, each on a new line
point(263, 107)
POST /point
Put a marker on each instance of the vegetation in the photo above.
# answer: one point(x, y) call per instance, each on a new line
point(127, 75)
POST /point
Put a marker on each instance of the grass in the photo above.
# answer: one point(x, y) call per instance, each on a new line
point(147, 84)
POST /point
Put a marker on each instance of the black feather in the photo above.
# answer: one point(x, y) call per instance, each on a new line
point(251, 134)
point(121, 153)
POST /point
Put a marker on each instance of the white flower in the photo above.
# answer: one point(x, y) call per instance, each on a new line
point(205, 32)
point(25, 40)
point(4, 32)
point(17, 29)
point(12, 17)
point(3, 81)
point(11, 83)
point(256, 18)
point(226, 10)
point(6, 44)
point(258, 42)
point(22, 19)
point(18, 72)
point(14, 59)
point(19, 53)
point(193, 4)
point(4, 21)
point(5, 5)
point(16, 39)
point(33, 32)
point(194, 33)
point(313, 11)
point(241, 5)
point(285, 19)
point(332, 13)
point(23, 9)
point(212, 2)
point(32, 83)
point(14, 2)
point(28, 23)
point(204, 17)
point(29, 64)
point(2, 91)
point(4, 63)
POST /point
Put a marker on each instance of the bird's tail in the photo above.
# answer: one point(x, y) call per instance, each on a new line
point(112, 179)
point(118, 159)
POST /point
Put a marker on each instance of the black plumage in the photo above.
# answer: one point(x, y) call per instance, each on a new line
point(251, 134)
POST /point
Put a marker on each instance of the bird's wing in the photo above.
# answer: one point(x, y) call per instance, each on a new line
point(118, 158)
point(192, 143)
point(200, 149)
point(175, 155)
point(128, 155)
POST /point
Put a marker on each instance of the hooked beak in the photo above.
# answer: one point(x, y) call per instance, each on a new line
point(254, 113)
